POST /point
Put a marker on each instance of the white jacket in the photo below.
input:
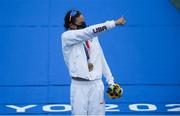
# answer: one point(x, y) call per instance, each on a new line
point(75, 56)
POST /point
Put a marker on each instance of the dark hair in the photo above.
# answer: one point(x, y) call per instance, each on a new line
point(68, 19)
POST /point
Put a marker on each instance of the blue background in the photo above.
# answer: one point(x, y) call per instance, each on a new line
point(143, 55)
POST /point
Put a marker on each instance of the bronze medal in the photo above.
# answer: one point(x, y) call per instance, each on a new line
point(90, 67)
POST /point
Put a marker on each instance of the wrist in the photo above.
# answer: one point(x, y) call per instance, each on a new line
point(111, 83)
point(116, 23)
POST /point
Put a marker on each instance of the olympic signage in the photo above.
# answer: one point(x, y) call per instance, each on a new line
point(60, 108)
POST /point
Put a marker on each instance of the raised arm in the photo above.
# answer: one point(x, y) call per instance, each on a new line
point(76, 36)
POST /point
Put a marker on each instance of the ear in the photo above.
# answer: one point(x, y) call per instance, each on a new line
point(72, 26)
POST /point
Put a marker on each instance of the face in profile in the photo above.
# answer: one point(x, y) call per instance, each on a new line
point(80, 19)
point(80, 22)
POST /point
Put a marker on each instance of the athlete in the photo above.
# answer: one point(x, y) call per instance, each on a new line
point(86, 63)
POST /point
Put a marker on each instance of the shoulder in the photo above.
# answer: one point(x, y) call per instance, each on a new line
point(64, 34)
point(68, 33)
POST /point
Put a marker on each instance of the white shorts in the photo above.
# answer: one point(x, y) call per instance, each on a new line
point(87, 97)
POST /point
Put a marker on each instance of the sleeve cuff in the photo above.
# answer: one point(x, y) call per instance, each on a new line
point(110, 82)
point(111, 24)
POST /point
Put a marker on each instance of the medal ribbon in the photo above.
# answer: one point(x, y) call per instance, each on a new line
point(87, 49)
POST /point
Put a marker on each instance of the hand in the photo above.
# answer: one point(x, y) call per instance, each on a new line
point(120, 21)
point(114, 91)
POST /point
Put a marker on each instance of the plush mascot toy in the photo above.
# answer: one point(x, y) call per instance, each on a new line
point(114, 91)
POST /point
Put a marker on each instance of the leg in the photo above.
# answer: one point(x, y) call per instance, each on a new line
point(78, 98)
point(96, 100)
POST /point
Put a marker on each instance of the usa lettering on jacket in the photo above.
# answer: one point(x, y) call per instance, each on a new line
point(99, 29)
